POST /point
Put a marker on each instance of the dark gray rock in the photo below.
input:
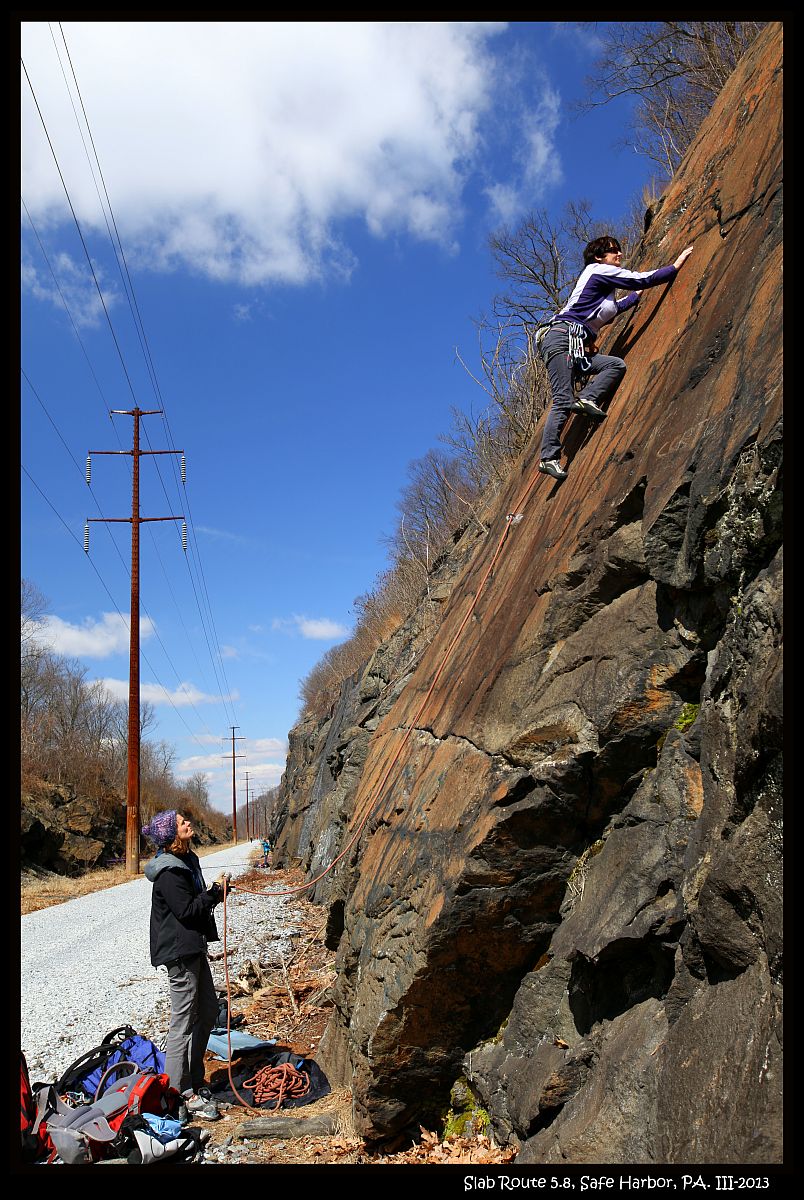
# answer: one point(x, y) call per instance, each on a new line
point(563, 875)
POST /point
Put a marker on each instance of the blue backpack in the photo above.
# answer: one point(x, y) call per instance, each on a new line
point(119, 1045)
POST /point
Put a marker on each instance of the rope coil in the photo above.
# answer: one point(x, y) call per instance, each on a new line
point(278, 1083)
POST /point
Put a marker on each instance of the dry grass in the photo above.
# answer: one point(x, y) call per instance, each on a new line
point(43, 889)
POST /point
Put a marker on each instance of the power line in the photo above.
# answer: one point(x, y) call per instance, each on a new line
point(140, 326)
point(117, 549)
point(81, 235)
point(106, 589)
point(222, 687)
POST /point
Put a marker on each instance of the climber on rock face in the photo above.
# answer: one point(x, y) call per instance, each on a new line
point(567, 342)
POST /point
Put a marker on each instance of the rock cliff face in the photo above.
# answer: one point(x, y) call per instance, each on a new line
point(566, 884)
point(66, 833)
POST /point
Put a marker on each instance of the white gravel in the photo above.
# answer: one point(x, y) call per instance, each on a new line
point(86, 966)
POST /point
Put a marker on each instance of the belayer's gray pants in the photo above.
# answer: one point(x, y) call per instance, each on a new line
point(606, 370)
point(193, 1013)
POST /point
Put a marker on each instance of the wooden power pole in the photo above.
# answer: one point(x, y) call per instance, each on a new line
point(133, 786)
point(248, 828)
point(233, 756)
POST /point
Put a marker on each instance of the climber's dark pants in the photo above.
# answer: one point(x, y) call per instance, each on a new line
point(606, 373)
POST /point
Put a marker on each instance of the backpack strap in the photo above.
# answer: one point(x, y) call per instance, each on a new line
point(121, 1034)
point(98, 1056)
point(133, 1069)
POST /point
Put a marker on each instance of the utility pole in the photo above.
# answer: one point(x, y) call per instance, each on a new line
point(233, 756)
point(251, 829)
point(248, 828)
point(135, 520)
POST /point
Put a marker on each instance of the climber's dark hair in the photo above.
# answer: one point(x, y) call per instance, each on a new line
point(599, 247)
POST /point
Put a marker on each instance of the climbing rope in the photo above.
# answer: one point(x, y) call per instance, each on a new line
point(512, 518)
point(278, 1083)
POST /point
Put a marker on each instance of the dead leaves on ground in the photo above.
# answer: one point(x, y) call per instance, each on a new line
point(290, 1002)
point(432, 1151)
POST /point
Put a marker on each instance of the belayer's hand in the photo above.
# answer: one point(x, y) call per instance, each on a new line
point(682, 258)
point(223, 879)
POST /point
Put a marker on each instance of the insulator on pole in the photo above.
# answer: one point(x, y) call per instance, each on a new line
point(183, 470)
point(86, 538)
point(89, 467)
point(184, 536)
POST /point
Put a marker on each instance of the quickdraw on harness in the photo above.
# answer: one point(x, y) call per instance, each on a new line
point(577, 333)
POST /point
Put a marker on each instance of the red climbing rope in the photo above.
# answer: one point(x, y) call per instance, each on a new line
point(279, 1084)
point(512, 518)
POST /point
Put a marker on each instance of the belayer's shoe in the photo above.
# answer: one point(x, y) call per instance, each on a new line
point(551, 466)
point(588, 407)
point(201, 1105)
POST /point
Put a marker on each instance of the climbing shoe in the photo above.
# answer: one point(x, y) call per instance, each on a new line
point(201, 1105)
point(588, 407)
point(552, 466)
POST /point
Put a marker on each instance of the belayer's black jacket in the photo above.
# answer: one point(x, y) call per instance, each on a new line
point(182, 921)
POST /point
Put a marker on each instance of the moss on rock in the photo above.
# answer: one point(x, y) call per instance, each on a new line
point(466, 1117)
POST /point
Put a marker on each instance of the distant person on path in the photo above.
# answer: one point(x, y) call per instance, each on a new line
point(568, 345)
point(266, 850)
point(182, 923)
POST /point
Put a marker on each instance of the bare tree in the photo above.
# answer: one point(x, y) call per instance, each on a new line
point(33, 606)
point(675, 69)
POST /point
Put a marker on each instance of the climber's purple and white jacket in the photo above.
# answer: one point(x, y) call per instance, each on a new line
point(592, 302)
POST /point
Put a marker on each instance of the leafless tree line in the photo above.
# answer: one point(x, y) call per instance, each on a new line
point(675, 69)
point(259, 814)
point(73, 731)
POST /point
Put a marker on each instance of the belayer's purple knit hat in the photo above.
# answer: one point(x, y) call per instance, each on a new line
point(162, 828)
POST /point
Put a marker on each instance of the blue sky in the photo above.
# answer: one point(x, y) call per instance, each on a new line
point(304, 212)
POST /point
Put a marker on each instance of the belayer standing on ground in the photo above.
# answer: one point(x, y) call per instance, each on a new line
point(182, 923)
point(266, 850)
point(568, 346)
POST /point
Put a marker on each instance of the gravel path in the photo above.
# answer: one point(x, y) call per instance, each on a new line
point(86, 966)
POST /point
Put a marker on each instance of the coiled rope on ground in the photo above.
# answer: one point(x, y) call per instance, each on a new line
point(278, 1083)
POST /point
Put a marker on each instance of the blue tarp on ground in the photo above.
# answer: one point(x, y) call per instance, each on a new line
point(218, 1043)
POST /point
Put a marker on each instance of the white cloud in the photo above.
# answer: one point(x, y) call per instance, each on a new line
point(261, 775)
point(272, 747)
point(76, 288)
point(315, 628)
point(229, 652)
point(265, 775)
point(320, 628)
point(237, 148)
point(506, 202)
point(542, 166)
point(537, 157)
point(93, 638)
point(200, 762)
point(181, 697)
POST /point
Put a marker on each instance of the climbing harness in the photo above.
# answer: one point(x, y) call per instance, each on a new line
point(578, 333)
